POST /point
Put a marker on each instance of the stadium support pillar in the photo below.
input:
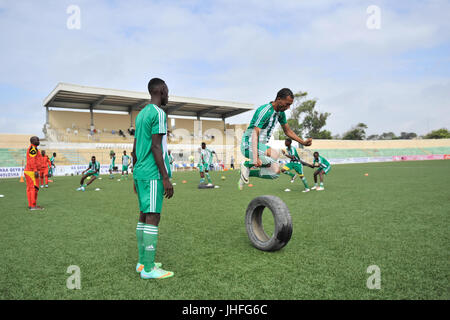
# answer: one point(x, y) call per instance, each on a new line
point(91, 109)
point(224, 126)
point(46, 116)
point(130, 112)
point(198, 132)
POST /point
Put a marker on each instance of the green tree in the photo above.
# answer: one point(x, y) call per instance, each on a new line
point(438, 134)
point(305, 120)
point(373, 137)
point(407, 135)
point(388, 136)
point(357, 132)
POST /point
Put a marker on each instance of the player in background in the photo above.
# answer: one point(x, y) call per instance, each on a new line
point(126, 161)
point(171, 161)
point(232, 163)
point(206, 159)
point(324, 168)
point(133, 156)
point(31, 173)
point(112, 156)
point(191, 161)
point(92, 172)
point(256, 137)
point(295, 164)
point(151, 177)
point(51, 170)
point(43, 173)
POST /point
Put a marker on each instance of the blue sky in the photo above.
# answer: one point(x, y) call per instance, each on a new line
point(396, 78)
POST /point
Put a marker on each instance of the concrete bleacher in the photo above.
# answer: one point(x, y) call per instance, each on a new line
point(357, 153)
point(12, 157)
point(13, 147)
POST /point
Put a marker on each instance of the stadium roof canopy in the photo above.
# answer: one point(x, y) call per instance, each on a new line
point(71, 96)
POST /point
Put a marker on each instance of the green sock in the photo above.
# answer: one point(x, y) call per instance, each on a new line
point(209, 178)
point(140, 241)
point(150, 240)
point(254, 173)
point(289, 173)
point(305, 183)
point(202, 180)
point(321, 184)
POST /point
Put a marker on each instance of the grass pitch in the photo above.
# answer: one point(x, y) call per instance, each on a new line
point(397, 218)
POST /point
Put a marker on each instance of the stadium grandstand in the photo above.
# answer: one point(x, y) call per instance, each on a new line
point(83, 121)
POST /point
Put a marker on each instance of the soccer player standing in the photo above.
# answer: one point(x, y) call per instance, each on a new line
point(151, 177)
point(256, 137)
point(52, 165)
point(44, 167)
point(125, 163)
point(31, 173)
point(324, 168)
point(112, 156)
point(206, 159)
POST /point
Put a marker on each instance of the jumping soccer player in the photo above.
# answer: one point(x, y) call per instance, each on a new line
point(43, 172)
point(324, 167)
point(31, 173)
point(125, 163)
point(254, 142)
point(151, 177)
point(112, 156)
point(52, 165)
point(206, 159)
point(92, 171)
point(295, 164)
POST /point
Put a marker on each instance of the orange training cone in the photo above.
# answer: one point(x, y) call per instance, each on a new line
point(21, 179)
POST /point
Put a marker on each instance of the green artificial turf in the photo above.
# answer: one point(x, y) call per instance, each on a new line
point(397, 218)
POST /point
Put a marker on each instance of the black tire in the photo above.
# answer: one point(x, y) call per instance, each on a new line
point(255, 230)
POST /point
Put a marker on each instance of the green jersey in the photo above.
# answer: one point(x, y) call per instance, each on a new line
point(52, 161)
point(94, 166)
point(323, 163)
point(125, 160)
point(113, 159)
point(170, 159)
point(293, 152)
point(206, 156)
point(266, 118)
point(151, 120)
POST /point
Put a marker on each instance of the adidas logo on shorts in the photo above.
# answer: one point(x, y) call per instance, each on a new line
point(149, 248)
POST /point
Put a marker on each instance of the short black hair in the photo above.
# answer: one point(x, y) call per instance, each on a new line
point(284, 93)
point(54, 154)
point(315, 153)
point(154, 84)
point(289, 139)
point(203, 143)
